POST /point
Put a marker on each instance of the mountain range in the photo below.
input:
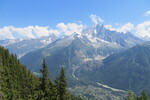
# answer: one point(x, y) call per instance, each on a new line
point(80, 52)
point(23, 46)
point(96, 56)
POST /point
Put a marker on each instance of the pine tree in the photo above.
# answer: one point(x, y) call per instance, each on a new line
point(62, 85)
point(45, 81)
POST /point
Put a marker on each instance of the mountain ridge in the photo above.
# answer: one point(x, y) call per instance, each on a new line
point(126, 70)
point(23, 46)
point(77, 52)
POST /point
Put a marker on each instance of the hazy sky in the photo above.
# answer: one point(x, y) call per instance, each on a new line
point(52, 14)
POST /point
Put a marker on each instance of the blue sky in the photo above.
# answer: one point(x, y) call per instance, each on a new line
point(24, 13)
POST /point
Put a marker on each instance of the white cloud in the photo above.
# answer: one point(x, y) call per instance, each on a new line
point(10, 32)
point(143, 29)
point(147, 13)
point(25, 32)
point(41, 31)
point(6, 33)
point(96, 19)
point(69, 28)
point(140, 30)
point(55, 32)
point(125, 28)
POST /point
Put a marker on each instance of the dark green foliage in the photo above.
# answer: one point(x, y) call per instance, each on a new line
point(62, 85)
point(1, 94)
point(18, 83)
point(143, 96)
point(54, 91)
point(45, 80)
point(75, 98)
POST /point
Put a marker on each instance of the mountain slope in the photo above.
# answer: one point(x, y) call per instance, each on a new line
point(74, 53)
point(16, 82)
point(84, 51)
point(127, 70)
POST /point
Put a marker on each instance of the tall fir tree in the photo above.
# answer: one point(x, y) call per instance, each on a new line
point(45, 81)
point(44, 86)
point(63, 85)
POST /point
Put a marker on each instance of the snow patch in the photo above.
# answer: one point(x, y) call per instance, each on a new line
point(46, 41)
point(98, 57)
point(95, 39)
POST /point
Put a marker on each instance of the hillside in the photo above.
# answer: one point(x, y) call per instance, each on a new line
point(18, 83)
point(74, 53)
point(126, 70)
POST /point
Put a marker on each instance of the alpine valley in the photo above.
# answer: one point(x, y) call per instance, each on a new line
point(100, 64)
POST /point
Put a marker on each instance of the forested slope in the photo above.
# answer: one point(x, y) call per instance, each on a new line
point(18, 83)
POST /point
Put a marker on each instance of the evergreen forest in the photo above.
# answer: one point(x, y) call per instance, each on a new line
point(18, 83)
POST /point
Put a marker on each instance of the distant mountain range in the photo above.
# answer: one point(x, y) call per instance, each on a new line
point(78, 52)
point(9, 41)
point(97, 33)
point(23, 46)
